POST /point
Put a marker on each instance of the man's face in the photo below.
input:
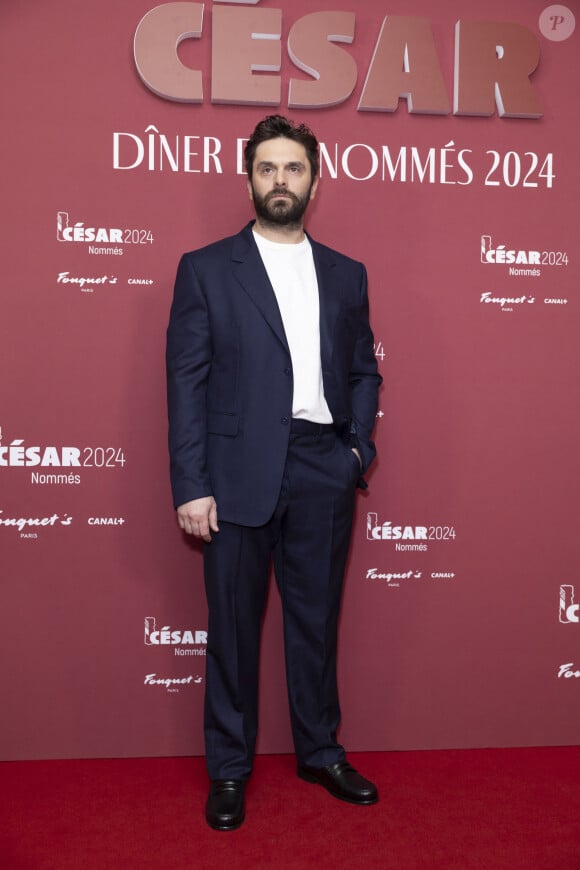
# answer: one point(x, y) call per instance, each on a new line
point(281, 185)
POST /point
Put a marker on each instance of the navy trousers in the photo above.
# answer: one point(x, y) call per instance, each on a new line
point(308, 537)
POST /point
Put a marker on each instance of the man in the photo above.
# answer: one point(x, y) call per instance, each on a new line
point(272, 394)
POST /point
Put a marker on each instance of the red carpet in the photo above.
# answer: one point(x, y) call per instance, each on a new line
point(495, 809)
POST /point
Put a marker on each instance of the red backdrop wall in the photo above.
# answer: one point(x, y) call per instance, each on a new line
point(459, 626)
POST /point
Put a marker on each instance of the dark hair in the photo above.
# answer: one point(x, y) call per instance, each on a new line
point(278, 127)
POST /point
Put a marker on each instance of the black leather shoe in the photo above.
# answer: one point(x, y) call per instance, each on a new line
point(342, 781)
point(225, 808)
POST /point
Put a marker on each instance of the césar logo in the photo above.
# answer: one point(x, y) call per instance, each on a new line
point(568, 611)
point(166, 636)
point(492, 66)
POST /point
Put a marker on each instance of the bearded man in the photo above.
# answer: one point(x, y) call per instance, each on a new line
point(272, 396)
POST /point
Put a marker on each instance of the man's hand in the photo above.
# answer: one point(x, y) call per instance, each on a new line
point(197, 517)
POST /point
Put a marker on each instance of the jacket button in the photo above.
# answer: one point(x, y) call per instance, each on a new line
point(287, 371)
point(285, 420)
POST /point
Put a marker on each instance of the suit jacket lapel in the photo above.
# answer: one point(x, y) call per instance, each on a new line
point(329, 299)
point(252, 276)
point(251, 273)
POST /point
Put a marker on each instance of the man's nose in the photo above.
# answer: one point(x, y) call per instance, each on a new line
point(280, 178)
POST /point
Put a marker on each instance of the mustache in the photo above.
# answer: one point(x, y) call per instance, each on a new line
point(277, 191)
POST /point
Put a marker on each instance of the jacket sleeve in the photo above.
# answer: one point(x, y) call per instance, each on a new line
point(364, 383)
point(188, 361)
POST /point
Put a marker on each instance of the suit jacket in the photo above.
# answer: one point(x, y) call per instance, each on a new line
point(229, 374)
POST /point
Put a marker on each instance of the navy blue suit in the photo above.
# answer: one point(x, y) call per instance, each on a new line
point(230, 435)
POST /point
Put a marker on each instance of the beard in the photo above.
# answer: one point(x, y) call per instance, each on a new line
point(287, 212)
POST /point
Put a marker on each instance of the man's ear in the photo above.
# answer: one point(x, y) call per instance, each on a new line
point(249, 186)
point(314, 187)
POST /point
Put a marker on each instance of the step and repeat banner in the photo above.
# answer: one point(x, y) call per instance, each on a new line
point(449, 165)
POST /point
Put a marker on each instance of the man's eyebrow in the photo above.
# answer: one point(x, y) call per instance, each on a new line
point(292, 163)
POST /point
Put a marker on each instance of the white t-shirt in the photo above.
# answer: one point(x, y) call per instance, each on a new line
point(292, 274)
